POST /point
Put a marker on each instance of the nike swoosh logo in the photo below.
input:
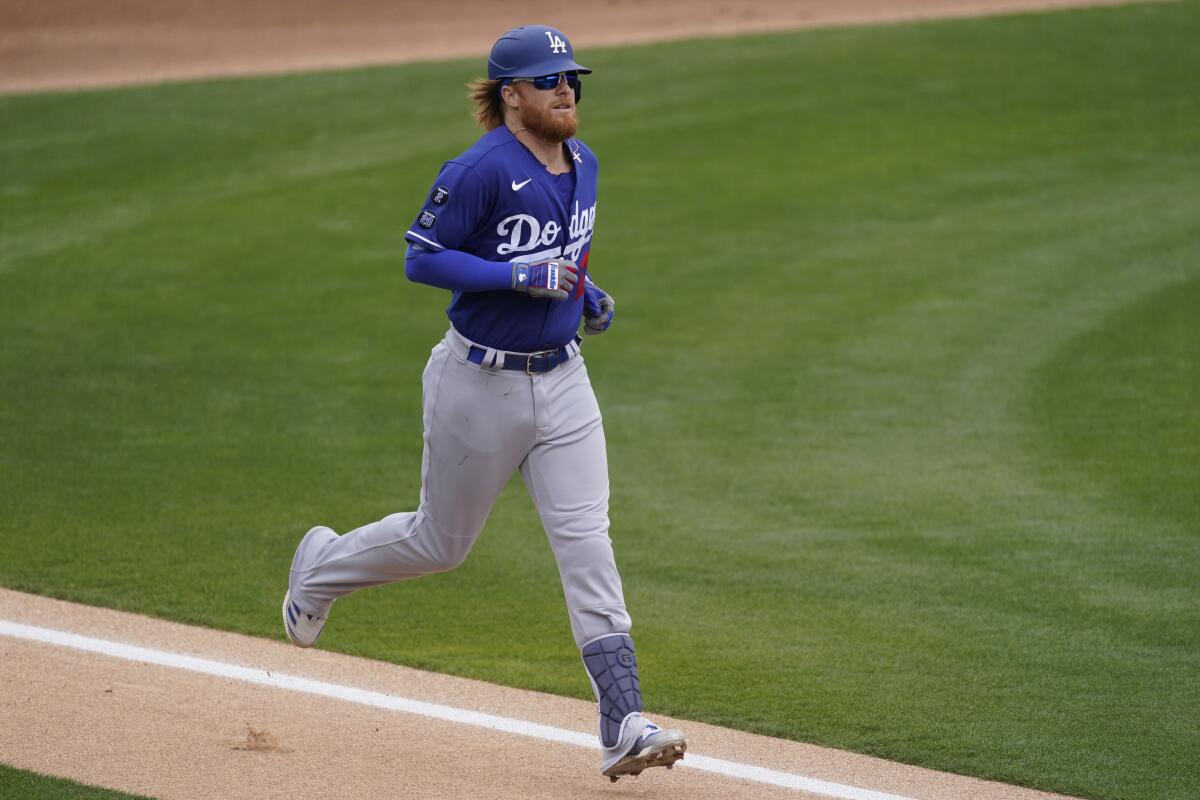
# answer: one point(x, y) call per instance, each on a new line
point(517, 186)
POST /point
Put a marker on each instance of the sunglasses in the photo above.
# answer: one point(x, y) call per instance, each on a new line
point(551, 81)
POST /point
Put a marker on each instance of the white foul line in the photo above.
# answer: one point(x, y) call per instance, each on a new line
point(364, 697)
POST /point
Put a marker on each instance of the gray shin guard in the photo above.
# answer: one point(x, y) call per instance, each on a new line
point(612, 666)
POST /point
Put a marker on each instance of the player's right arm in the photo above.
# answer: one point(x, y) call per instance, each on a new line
point(462, 272)
point(456, 206)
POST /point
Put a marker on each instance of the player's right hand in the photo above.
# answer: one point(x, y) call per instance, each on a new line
point(554, 278)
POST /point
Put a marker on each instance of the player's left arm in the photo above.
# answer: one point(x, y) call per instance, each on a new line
point(599, 308)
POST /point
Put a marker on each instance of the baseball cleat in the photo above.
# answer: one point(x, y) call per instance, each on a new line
point(303, 629)
point(654, 748)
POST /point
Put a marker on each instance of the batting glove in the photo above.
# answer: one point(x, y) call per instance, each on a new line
point(554, 278)
point(598, 309)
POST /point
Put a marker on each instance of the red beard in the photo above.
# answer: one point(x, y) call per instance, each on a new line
point(552, 127)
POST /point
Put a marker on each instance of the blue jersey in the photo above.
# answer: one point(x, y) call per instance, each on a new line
point(496, 201)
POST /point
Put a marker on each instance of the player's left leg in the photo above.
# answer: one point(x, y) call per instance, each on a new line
point(566, 474)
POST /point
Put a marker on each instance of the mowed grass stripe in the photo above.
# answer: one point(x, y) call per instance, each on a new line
point(901, 398)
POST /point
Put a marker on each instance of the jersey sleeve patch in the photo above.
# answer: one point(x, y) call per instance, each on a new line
point(442, 225)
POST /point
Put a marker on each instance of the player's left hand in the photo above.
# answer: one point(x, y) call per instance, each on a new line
point(598, 310)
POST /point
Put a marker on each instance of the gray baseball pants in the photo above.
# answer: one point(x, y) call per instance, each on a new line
point(480, 425)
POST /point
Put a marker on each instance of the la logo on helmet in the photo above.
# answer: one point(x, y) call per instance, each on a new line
point(557, 45)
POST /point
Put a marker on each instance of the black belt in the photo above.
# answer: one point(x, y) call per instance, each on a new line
point(529, 363)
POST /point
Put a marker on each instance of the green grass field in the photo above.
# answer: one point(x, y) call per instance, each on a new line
point(32, 786)
point(903, 397)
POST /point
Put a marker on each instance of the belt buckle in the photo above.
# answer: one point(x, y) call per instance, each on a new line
point(540, 354)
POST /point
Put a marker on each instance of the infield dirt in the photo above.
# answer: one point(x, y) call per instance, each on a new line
point(168, 733)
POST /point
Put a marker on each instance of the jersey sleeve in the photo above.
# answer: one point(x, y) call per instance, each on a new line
point(454, 208)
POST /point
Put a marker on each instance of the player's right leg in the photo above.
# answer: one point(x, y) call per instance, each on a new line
point(478, 428)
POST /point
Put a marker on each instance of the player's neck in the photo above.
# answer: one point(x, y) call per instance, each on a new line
point(548, 152)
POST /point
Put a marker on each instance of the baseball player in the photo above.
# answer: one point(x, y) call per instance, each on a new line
point(507, 228)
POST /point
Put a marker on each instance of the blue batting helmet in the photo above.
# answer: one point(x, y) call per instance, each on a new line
point(530, 51)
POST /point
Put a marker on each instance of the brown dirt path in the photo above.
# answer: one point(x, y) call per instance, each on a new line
point(55, 44)
point(168, 733)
